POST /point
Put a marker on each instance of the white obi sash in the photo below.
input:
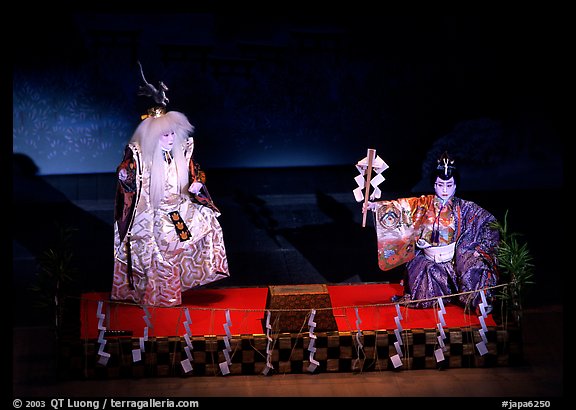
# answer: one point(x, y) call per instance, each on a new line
point(437, 254)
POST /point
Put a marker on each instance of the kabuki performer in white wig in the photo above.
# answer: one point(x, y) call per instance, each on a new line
point(167, 238)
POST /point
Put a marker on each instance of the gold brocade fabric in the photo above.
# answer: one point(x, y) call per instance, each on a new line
point(400, 222)
point(164, 263)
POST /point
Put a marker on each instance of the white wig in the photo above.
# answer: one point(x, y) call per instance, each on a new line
point(147, 136)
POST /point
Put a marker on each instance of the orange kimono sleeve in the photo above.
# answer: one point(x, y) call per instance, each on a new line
point(397, 222)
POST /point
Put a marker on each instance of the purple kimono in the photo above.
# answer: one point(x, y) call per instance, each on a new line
point(416, 230)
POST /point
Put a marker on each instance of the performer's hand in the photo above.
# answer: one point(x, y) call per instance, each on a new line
point(195, 187)
point(122, 175)
point(368, 206)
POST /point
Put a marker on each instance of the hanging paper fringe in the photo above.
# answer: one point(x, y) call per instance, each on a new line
point(137, 353)
point(311, 345)
point(365, 166)
point(104, 356)
point(378, 166)
point(439, 353)
point(359, 345)
point(187, 363)
point(397, 358)
point(269, 346)
point(484, 308)
point(225, 365)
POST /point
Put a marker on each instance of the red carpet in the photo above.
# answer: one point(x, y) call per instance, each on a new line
point(207, 311)
point(382, 317)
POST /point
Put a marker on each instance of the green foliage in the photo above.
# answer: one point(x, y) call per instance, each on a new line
point(56, 275)
point(515, 268)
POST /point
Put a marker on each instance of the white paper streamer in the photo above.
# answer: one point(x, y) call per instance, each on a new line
point(187, 328)
point(396, 361)
point(398, 349)
point(482, 309)
point(101, 348)
point(441, 341)
point(482, 323)
point(313, 363)
point(224, 366)
point(442, 335)
point(397, 332)
point(441, 304)
point(482, 334)
point(101, 316)
point(188, 342)
point(186, 365)
point(144, 338)
point(398, 336)
point(482, 349)
point(398, 312)
point(188, 322)
point(359, 344)
point(441, 329)
point(441, 317)
point(147, 320)
point(188, 353)
point(439, 355)
point(398, 325)
point(136, 355)
point(227, 356)
point(378, 166)
point(268, 346)
point(227, 344)
point(481, 346)
point(103, 359)
point(484, 306)
point(147, 317)
point(312, 345)
point(99, 313)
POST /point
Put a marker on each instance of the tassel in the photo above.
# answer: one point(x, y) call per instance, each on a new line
point(435, 236)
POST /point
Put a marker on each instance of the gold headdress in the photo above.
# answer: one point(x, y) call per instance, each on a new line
point(154, 112)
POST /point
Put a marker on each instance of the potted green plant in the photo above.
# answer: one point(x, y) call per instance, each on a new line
point(516, 271)
point(55, 276)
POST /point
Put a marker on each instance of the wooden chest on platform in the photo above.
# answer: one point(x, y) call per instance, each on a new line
point(291, 306)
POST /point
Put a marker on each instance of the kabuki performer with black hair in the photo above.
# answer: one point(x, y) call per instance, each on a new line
point(447, 243)
point(167, 238)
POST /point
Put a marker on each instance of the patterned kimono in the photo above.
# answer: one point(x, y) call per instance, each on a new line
point(408, 225)
point(160, 253)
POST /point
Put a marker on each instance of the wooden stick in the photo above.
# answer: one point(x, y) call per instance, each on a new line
point(371, 155)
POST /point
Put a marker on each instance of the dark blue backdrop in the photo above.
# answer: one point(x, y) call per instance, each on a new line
point(297, 90)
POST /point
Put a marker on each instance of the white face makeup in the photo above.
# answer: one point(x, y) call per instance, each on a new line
point(167, 141)
point(445, 189)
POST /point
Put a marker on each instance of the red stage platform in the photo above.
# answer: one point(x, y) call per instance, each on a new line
point(247, 307)
point(216, 326)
